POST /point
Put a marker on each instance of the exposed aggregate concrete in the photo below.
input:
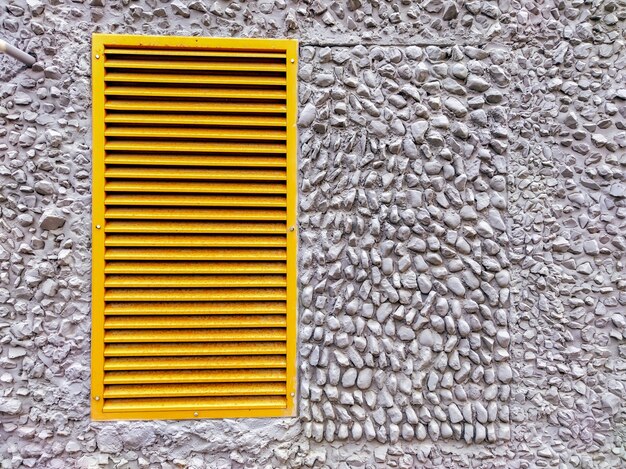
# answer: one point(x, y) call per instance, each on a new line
point(462, 204)
point(403, 247)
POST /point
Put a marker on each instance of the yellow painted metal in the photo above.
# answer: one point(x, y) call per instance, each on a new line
point(292, 223)
point(195, 53)
point(197, 187)
point(171, 408)
point(97, 235)
point(194, 106)
point(132, 226)
point(196, 93)
point(205, 65)
point(214, 44)
point(196, 79)
point(196, 240)
point(195, 133)
point(196, 173)
point(237, 307)
point(193, 147)
point(197, 200)
point(195, 254)
point(194, 349)
point(196, 160)
point(232, 362)
point(194, 281)
point(196, 119)
point(193, 322)
point(121, 391)
point(177, 213)
point(195, 294)
point(196, 267)
point(193, 335)
point(194, 202)
point(195, 376)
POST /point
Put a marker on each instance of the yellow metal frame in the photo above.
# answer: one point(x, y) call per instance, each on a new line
point(99, 43)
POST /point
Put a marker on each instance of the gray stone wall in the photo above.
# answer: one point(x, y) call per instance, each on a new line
point(462, 236)
point(404, 270)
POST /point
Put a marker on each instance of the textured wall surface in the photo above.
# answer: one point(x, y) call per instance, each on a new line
point(462, 236)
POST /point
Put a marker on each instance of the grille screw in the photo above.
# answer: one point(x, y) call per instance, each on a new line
point(293, 61)
point(98, 226)
point(195, 414)
point(97, 398)
point(97, 56)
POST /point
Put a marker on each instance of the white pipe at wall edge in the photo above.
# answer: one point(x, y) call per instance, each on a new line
point(14, 52)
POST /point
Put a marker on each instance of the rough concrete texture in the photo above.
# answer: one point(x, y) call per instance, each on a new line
point(462, 206)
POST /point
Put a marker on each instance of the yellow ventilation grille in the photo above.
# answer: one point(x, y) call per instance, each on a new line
point(194, 242)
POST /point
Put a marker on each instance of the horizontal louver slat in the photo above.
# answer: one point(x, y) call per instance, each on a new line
point(236, 307)
point(195, 133)
point(195, 53)
point(191, 254)
point(194, 376)
point(234, 227)
point(195, 120)
point(193, 349)
point(195, 363)
point(197, 200)
point(246, 187)
point(193, 389)
point(195, 93)
point(176, 213)
point(195, 335)
point(196, 267)
point(172, 64)
point(195, 240)
point(207, 403)
point(195, 160)
point(193, 147)
point(195, 79)
point(190, 281)
point(239, 174)
point(191, 322)
point(194, 106)
point(195, 294)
